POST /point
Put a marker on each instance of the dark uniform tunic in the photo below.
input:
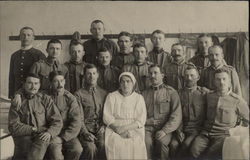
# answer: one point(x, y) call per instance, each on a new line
point(92, 46)
point(123, 59)
point(76, 73)
point(200, 61)
point(159, 57)
point(20, 64)
point(108, 77)
point(44, 67)
point(174, 74)
point(207, 78)
point(141, 74)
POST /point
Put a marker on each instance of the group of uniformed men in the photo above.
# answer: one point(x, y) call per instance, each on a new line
point(56, 110)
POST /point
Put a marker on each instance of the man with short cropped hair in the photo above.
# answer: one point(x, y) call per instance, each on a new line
point(125, 56)
point(22, 60)
point(98, 41)
point(35, 124)
point(158, 55)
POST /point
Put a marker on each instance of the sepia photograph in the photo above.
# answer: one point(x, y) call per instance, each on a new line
point(124, 80)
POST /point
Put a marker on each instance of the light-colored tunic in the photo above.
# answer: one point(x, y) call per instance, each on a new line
point(121, 110)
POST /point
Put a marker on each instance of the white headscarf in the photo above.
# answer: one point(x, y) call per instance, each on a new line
point(130, 75)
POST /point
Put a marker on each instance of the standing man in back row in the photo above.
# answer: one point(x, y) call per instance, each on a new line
point(98, 41)
point(22, 60)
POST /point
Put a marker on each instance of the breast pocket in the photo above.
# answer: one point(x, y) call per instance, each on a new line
point(164, 106)
point(226, 115)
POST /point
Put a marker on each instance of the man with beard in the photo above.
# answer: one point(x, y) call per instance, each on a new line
point(174, 71)
point(91, 100)
point(164, 114)
point(158, 55)
point(216, 58)
point(75, 65)
point(193, 111)
point(70, 112)
point(201, 60)
point(140, 67)
point(224, 109)
point(125, 56)
point(98, 41)
point(22, 60)
point(35, 123)
point(108, 74)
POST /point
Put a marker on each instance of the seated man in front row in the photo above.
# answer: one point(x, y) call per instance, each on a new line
point(91, 100)
point(35, 123)
point(164, 114)
point(224, 109)
point(70, 112)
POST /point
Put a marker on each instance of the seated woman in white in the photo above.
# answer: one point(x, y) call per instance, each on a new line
point(125, 116)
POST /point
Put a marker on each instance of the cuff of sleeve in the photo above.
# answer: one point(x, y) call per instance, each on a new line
point(139, 124)
point(51, 133)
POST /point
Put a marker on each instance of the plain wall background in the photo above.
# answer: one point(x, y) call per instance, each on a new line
point(136, 17)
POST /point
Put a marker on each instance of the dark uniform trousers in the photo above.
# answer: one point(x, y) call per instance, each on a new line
point(91, 101)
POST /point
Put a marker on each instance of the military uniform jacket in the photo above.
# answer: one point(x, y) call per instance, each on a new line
point(200, 61)
point(141, 74)
point(174, 74)
point(70, 112)
point(108, 77)
point(20, 64)
point(161, 57)
point(91, 101)
point(222, 112)
point(123, 59)
point(38, 111)
point(92, 46)
point(44, 67)
point(164, 106)
point(207, 78)
point(193, 101)
point(76, 73)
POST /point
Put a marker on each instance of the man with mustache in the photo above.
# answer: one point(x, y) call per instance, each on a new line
point(108, 74)
point(98, 41)
point(70, 112)
point(201, 60)
point(164, 114)
point(125, 56)
point(174, 71)
point(158, 55)
point(35, 124)
point(216, 58)
point(91, 100)
point(75, 65)
point(193, 111)
point(224, 110)
point(22, 60)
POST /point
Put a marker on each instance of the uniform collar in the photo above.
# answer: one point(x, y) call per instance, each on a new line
point(215, 68)
point(104, 67)
point(76, 63)
point(191, 89)
point(227, 93)
point(26, 48)
point(98, 41)
point(52, 61)
point(140, 64)
point(90, 89)
point(179, 63)
point(158, 51)
point(157, 87)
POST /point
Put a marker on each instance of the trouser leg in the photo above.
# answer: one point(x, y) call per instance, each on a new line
point(22, 147)
point(199, 145)
point(55, 149)
point(149, 144)
point(162, 146)
point(38, 149)
point(72, 149)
